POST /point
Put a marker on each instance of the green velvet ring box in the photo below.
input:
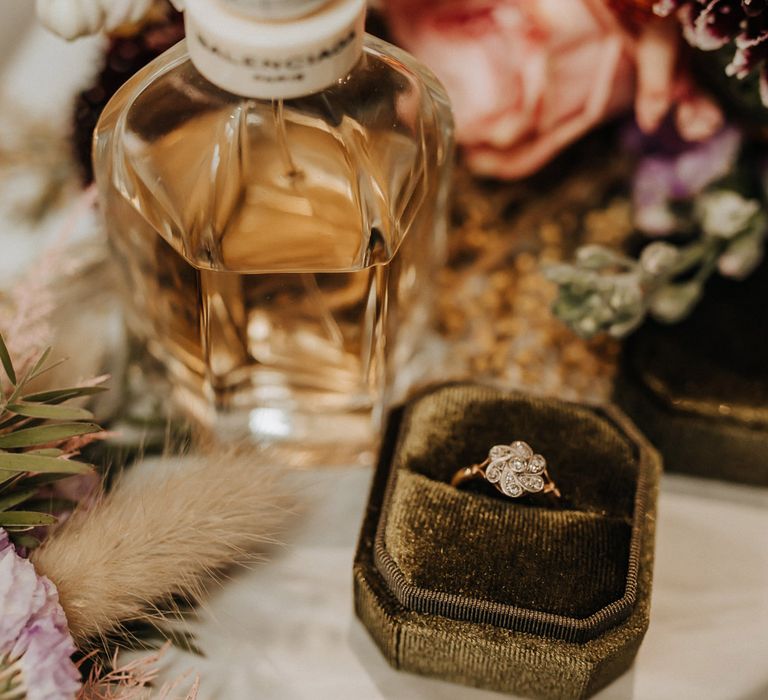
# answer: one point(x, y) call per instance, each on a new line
point(525, 596)
point(699, 389)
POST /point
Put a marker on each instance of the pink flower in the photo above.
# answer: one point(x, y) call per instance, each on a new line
point(528, 77)
point(35, 642)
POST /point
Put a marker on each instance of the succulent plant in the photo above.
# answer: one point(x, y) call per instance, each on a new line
point(604, 291)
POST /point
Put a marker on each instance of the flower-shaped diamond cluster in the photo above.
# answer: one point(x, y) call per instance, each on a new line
point(516, 469)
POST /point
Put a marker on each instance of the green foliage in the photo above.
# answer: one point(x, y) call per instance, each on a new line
point(11, 681)
point(603, 291)
point(36, 448)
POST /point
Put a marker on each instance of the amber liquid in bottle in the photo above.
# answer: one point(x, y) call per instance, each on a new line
point(277, 256)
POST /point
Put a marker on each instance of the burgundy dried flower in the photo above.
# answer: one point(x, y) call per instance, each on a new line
point(712, 24)
point(633, 14)
point(127, 53)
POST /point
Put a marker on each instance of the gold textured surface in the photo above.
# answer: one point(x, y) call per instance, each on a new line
point(495, 301)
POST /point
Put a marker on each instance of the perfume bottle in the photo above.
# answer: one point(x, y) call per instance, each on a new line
point(274, 189)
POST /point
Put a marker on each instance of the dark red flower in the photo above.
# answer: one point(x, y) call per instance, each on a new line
point(712, 24)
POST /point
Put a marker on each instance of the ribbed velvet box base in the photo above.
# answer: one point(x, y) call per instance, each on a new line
point(525, 596)
point(699, 389)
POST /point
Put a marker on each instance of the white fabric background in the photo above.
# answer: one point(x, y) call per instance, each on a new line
point(286, 629)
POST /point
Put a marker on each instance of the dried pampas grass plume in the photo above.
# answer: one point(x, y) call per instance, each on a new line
point(162, 532)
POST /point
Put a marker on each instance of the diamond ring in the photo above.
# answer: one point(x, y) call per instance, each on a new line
point(513, 469)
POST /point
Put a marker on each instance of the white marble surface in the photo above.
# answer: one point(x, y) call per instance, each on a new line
point(286, 629)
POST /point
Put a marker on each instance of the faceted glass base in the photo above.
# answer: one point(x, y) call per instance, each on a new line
point(277, 257)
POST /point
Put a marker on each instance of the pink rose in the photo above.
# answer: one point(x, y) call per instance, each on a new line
point(526, 77)
point(529, 77)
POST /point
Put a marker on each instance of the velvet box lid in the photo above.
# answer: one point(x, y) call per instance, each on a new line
point(522, 596)
point(699, 389)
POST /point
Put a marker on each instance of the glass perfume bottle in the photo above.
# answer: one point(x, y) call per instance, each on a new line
point(274, 189)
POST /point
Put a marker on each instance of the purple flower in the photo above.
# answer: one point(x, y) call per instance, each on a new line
point(670, 173)
point(34, 639)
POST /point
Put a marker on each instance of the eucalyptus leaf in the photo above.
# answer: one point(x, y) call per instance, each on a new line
point(16, 498)
point(7, 477)
point(58, 395)
point(42, 410)
point(47, 452)
point(36, 371)
point(40, 361)
point(25, 518)
point(13, 420)
point(26, 462)
point(37, 481)
point(5, 358)
point(46, 433)
point(50, 505)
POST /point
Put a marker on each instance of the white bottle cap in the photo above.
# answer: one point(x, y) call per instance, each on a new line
point(239, 46)
point(276, 9)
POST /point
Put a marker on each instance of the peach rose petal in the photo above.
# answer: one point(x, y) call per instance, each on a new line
point(526, 77)
point(511, 124)
point(523, 159)
point(698, 117)
point(657, 53)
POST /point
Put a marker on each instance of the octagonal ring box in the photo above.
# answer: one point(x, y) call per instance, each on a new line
point(524, 596)
point(699, 389)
